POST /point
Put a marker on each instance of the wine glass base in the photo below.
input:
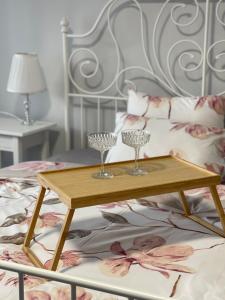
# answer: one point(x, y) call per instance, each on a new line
point(137, 172)
point(103, 175)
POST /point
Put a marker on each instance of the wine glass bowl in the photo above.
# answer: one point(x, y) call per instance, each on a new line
point(136, 138)
point(102, 141)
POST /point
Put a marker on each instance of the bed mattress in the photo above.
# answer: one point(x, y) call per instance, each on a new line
point(146, 244)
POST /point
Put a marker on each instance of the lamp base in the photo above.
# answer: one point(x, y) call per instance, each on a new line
point(27, 123)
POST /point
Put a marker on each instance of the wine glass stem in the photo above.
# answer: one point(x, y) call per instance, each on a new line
point(137, 150)
point(102, 162)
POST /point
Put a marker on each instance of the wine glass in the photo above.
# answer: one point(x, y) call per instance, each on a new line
point(102, 141)
point(136, 138)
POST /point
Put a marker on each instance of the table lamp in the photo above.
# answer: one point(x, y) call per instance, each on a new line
point(26, 78)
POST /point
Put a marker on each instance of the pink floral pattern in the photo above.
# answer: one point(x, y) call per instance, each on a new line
point(207, 110)
point(15, 256)
point(217, 103)
point(197, 130)
point(155, 100)
point(29, 281)
point(148, 106)
point(181, 139)
point(37, 295)
point(131, 118)
point(59, 293)
point(49, 219)
point(67, 259)
point(63, 293)
point(149, 252)
point(37, 166)
point(115, 245)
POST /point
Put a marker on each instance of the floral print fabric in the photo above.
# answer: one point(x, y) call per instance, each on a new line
point(199, 144)
point(142, 244)
point(207, 110)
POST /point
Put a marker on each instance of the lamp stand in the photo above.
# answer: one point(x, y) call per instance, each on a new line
point(26, 103)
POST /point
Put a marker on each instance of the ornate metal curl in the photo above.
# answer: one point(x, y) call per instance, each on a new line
point(108, 8)
point(181, 64)
point(217, 13)
point(165, 78)
point(183, 6)
point(171, 83)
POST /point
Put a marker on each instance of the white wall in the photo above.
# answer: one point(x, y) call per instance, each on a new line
point(34, 26)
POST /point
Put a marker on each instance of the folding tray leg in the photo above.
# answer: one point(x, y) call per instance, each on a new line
point(62, 238)
point(218, 205)
point(31, 228)
point(33, 222)
point(197, 219)
point(184, 203)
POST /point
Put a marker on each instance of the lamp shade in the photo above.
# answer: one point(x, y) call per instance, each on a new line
point(25, 75)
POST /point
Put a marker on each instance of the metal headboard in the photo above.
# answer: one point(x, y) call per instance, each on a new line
point(162, 74)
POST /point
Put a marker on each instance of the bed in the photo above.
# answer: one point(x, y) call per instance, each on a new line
point(139, 248)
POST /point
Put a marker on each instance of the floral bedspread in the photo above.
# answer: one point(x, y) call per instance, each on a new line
point(144, 244)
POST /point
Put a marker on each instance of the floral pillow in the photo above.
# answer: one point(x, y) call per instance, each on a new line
point(208, 110)
point(199, 144)
point(141, 104)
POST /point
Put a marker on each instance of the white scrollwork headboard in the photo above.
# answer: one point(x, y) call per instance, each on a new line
point(171, 47)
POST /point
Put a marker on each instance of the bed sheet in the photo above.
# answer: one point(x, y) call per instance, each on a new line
point(146, 244)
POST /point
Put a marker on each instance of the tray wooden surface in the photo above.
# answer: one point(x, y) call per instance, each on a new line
point(77, 188)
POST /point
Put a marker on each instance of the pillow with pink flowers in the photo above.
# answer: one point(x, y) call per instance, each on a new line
point(208, 110)
point(199, 144)
point(142, 104)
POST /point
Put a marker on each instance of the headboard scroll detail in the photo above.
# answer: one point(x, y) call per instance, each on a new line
point(190, 54)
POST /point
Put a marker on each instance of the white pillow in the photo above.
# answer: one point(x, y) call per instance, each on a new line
point(201, 145)
point(208, 110)
point(142, 104)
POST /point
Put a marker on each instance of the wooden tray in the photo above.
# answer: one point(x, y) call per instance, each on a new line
point(77, 188)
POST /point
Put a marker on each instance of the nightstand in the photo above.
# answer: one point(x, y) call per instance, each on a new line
point(16, 138)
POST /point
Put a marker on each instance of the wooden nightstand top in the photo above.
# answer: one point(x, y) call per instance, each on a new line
point(77, 188)
point(13, 127)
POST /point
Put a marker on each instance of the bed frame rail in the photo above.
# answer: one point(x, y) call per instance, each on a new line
point(73, 281)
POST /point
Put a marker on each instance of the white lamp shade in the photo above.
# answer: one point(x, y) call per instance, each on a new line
point(25, 75)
